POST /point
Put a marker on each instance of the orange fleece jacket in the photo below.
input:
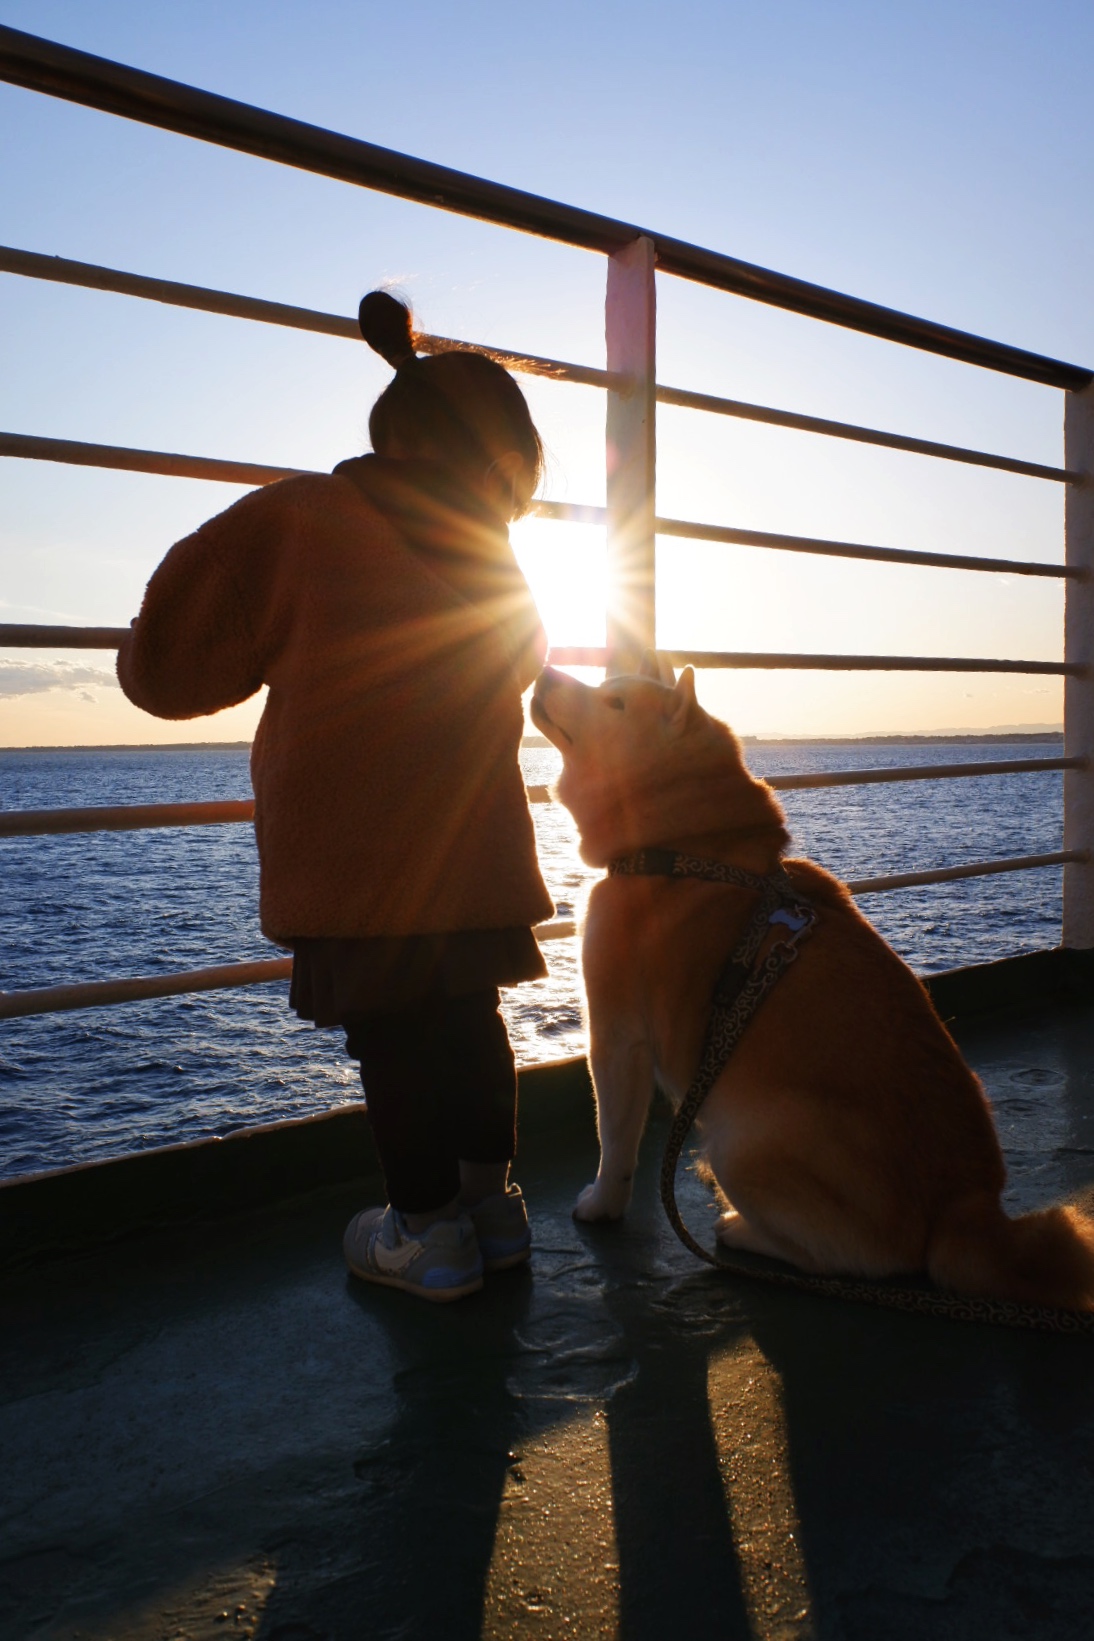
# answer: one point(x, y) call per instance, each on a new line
point(388, 793)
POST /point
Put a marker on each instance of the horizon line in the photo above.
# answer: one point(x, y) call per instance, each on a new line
point(1033, 733)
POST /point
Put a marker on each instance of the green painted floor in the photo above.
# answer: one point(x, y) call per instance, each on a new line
point(216, 1433)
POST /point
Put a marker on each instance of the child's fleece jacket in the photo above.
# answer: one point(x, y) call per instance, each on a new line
point(383, 607)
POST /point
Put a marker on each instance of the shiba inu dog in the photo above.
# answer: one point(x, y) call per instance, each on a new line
point(846, 1132)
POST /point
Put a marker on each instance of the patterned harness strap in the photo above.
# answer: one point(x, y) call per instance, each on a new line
point(783, 918)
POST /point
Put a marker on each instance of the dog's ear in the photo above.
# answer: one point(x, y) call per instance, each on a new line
point(656, 666)
point(683, 703)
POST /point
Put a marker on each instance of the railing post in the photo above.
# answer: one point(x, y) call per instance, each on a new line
point(630, 323)
point(1078, 931)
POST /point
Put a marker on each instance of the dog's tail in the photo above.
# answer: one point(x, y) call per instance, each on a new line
point(1043, 1258)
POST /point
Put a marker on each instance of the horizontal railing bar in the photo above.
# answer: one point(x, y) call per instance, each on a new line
point(134, 817)
point(570, 512)
point(917, 772)
point(92, 276)
point(114, 88)
point(171, 464)
point(579, 655)
point(32, 447)
point(128, 817)
point(228, 976)
point(138, 817)
point(21, 635)
point(91, 994)
point(524, 364)
point(951, 874)
point(732, 536)
point(861, 435)
point(62, 270)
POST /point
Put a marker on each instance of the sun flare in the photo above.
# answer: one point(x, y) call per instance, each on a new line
point(566, 568)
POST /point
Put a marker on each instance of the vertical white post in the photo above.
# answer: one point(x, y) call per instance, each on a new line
point(630, 323)
point(1079, 647)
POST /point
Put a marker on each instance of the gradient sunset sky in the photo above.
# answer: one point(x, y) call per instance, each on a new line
point(937, 157)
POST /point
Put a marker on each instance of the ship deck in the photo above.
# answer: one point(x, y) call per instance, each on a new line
point(208, 1430)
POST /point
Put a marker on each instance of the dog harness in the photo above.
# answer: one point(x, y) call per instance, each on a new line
point(783, 918)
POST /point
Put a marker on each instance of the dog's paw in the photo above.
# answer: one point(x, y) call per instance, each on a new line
point(599, 1201)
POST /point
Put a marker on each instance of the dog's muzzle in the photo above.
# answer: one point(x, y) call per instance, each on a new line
point(548, 680)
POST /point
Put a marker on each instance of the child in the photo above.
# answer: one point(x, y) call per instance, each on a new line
point(383, 607)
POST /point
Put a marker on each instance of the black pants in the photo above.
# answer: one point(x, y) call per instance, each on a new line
point(441, 1088)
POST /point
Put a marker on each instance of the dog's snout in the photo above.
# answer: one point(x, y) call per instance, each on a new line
point(548, 681)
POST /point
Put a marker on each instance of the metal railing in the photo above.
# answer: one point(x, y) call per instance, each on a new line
point(114, 88)
point(594, 655)
point(630, 517)
point(171, 464)
point(93, 994)
point(63, 271)
point(136, 817)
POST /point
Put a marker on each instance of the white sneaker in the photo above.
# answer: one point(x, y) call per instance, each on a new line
point(442, 1262)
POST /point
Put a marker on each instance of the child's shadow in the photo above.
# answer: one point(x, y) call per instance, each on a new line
point(423, 1513)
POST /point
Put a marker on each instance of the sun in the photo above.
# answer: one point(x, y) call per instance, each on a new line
point(566, 568)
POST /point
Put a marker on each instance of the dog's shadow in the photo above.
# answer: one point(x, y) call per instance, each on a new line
point(783, 1459)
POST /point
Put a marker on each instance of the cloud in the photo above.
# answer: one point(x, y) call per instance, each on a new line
point(34, 677)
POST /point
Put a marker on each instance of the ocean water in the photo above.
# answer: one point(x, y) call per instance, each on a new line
point(101, 1082)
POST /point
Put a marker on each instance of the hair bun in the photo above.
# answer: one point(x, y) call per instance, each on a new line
point(387, 327)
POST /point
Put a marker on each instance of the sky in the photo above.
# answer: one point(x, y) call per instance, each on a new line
point(937, 158)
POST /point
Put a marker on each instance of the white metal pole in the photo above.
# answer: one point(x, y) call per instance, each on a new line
point(630, 325)
point(1078, 931)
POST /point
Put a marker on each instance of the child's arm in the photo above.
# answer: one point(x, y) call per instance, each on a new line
point(204, 635)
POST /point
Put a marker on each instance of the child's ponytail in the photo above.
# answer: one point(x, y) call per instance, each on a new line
point(458, 408)
point(387, 327)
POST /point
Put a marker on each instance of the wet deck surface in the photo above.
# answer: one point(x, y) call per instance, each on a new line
point(218, 1434)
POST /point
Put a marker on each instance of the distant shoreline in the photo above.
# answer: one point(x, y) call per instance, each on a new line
point(141, 746)
point(536, 742)
point(966, 739)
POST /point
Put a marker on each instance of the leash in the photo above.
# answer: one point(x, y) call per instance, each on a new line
point(782, 920)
